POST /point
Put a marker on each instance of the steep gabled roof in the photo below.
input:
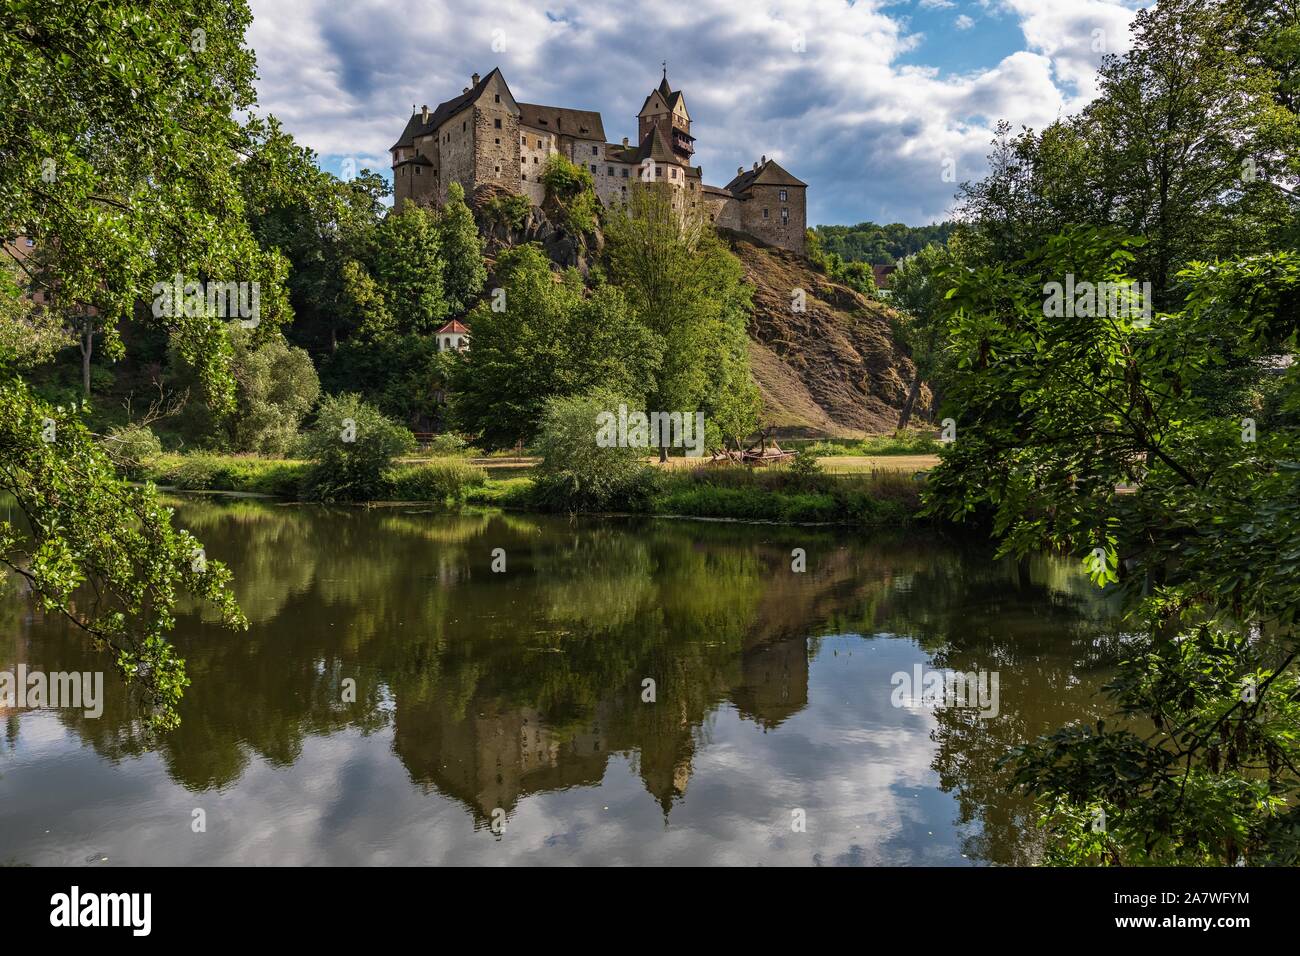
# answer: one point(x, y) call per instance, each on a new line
point(769, 173)
point(445, 111)
point(454, 327)
point(655, 146)
point(584, 124)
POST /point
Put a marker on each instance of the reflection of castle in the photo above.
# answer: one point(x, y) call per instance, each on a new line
point(490, 755)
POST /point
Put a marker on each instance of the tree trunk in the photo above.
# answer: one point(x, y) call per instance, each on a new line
point(87, 346)
point(905, 415)
point(663, 452)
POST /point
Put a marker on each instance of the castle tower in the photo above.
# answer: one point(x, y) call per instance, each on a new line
point(665, 108)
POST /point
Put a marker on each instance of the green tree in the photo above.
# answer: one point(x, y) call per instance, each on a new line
point(688, 289)
point(549, 339)
point(577, 472)
point(464, 271)
point(119, 159)
point(352, 446)
point(409, 267)
point(918, 290)
point(1088, 433)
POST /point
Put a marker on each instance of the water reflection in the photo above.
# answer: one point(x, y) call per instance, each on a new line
point(522, 693)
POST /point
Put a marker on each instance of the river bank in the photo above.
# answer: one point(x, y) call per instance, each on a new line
point(876, 498)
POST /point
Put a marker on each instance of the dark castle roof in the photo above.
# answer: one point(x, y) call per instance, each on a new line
point(415, 126)
point(584, 124)
point(768, 173)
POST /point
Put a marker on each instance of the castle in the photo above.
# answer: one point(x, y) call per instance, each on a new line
point(486, 137)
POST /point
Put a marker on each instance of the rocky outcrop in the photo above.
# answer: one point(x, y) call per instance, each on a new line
point(503, 226)
point(831, 369)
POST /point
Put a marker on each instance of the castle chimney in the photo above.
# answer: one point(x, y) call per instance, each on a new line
point(625, 142)
point(756, 164)
point(764, 160)
point(424, 114)
point(465, 89)
point(474, 80)
point(740, 170)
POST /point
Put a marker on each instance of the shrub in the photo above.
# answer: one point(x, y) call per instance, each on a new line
point(805, 470)
point(438, 480)
point(576, 474)
point(448, 444)
point(352, 446)
point(131, 448)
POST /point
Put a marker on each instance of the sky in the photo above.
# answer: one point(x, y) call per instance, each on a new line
point(882, 106)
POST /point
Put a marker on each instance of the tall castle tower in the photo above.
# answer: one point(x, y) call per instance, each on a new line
point(665, 108)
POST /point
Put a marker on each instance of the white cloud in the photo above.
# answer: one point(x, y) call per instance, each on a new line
point(866, 131)
point(963, 22)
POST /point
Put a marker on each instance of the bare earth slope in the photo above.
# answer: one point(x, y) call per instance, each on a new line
point(832, 369)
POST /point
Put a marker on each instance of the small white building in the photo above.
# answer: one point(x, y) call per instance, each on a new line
point(453, 337)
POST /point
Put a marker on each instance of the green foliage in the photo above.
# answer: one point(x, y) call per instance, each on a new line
point(910, 442)
point(361, 304)
point(509, 210)
point(100, 553)
point(805, 468)
point(401, 374)
point(883, 499)
point(1053, 413)
point(29, 334)
point(576, 473)
point(571, 190)
point(120, 162)
point(352, 445)
point(276, 386)
point(131, 448)
point(688, 289)
point(462, 252)
point(409, 267)
point(321, 224)
point(443, 479)
point(880, 245)
point(206, 472)
point(448, 444)
point(552, 339)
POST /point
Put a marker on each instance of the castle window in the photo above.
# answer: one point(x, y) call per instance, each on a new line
point(464, 125)
point(785, 216)
point(611, 170)
point(498, 170)
point(524, 177)
point(498, 140)
point(523, 140)
point(497, 122)
point(782, 194)
point(417, 170)
point(674, 173)
point(534, 160)
point(625, 172)
point(765, 214)
point(593, 167)
point(497, 98)
point(659, 171)
point(595, 151)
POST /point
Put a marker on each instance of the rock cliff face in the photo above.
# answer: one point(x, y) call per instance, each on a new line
point(536, 225)
point(832, 369)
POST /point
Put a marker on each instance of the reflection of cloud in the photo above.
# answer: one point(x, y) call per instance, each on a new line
point(850, 760)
